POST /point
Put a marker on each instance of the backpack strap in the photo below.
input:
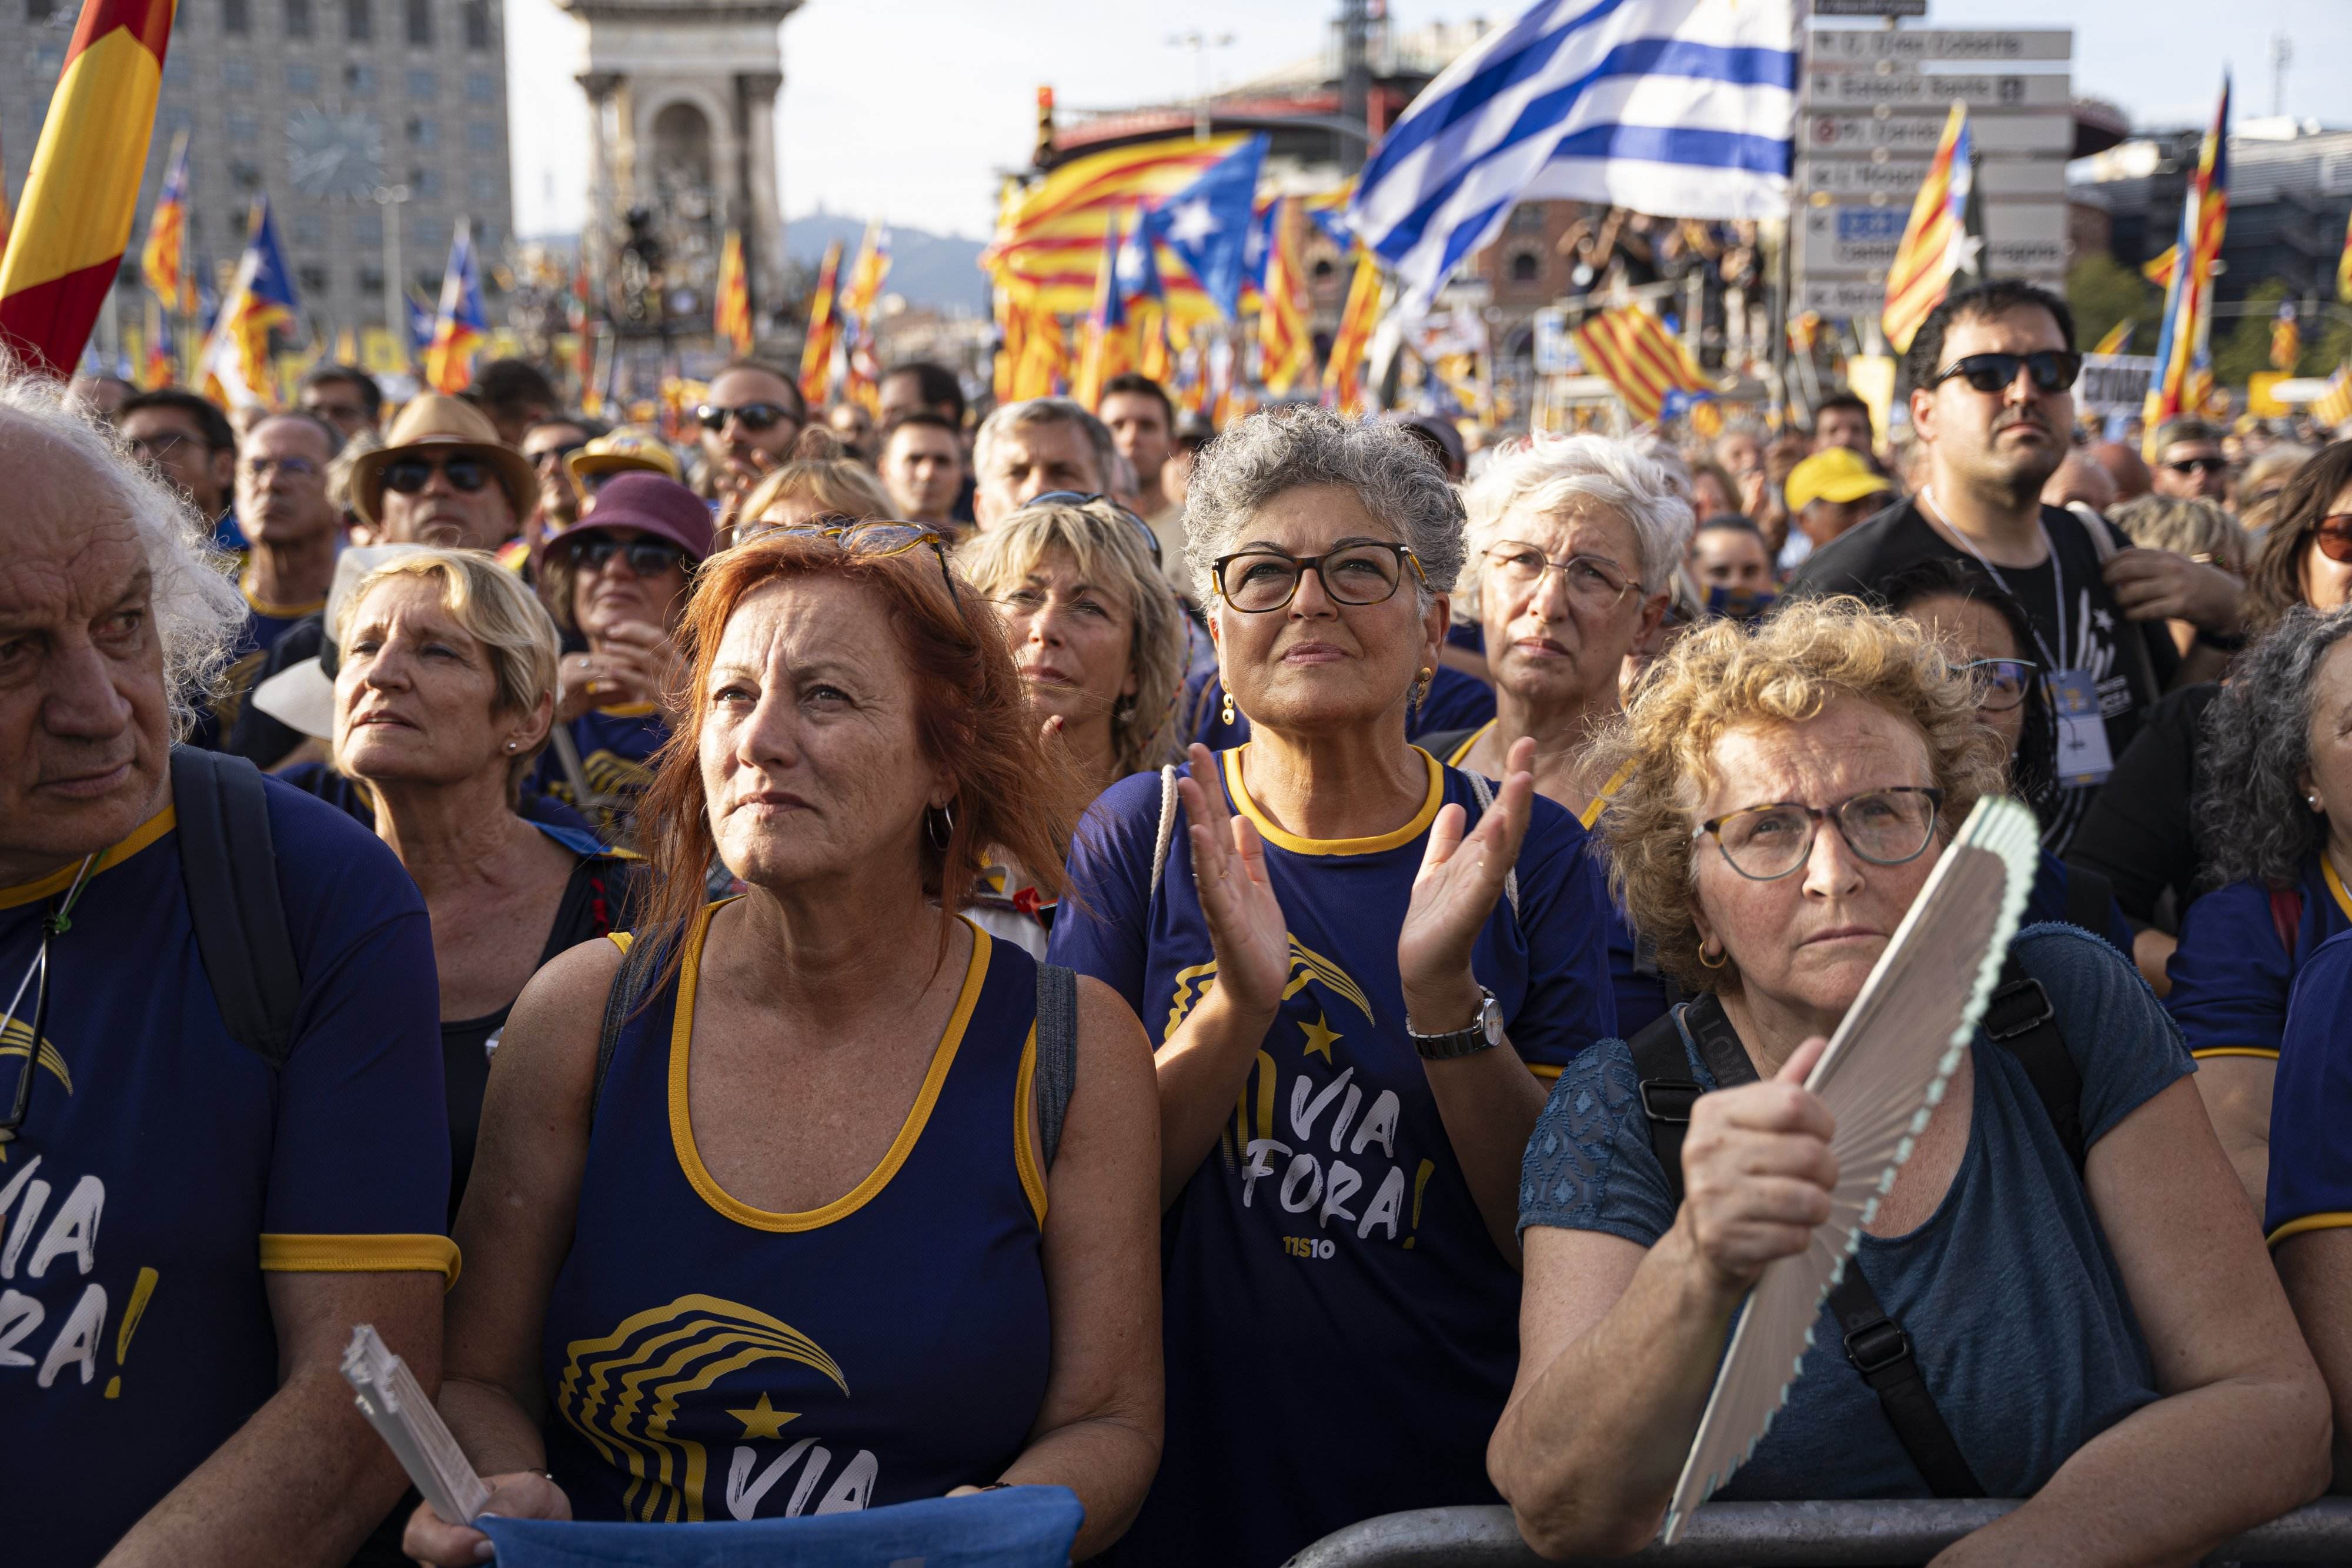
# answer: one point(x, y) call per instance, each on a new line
point(2088, 897)
point(1057, 1055)
point(2286, 916)
point(1485, 795)
point(1167, 826)
point(1874, 1343)
point(2021, 1021)
point(621, 1002)
point(230, 869)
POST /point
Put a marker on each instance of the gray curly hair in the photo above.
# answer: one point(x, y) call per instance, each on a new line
point(2259, 827)
point(1391, 470)
point(197, 609)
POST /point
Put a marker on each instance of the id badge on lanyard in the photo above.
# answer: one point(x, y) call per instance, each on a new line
point(2082, 755)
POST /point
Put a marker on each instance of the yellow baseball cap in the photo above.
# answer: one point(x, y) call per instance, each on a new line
point(624, 449)
point(1838, 474)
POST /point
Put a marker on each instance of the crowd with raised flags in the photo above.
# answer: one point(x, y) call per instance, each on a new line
point(1179, 933)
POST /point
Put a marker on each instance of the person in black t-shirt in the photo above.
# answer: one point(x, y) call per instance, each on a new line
point(1990, 373)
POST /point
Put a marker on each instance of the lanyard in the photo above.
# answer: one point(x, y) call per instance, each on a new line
point(2057, 577)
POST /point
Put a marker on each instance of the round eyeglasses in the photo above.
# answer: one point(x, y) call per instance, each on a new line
point(1590, 580)
point(2001, 683)
point(1256, 580)
point(1885, 827)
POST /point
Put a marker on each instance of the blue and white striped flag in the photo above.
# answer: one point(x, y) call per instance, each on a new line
point(1677, 107)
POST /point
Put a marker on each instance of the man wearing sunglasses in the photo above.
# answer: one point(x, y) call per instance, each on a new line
point(751, 417)
point(1991, 372)
point(444, 477)
point(548, 445)
point(2189, 462)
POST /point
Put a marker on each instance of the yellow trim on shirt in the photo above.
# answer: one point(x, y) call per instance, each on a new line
point(1592, 813)
point(1024, 1151)
point(279, 612)
point(2336, 884)
point(2212, 1051)
point(1546, 1072)
point(621, 939)
point(1469, 743)
point(2310, 1222)
point(1298, 846)
point(681, 1123)
point(58, 880)
point(360, 1255)
point(628, 710)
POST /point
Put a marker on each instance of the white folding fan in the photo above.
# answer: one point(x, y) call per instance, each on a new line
point(1883, 1072)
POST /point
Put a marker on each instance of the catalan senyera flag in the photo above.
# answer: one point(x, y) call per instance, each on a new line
point(1285, 335)
point(731, 317)
point(2334, 406)
point(1641, 361)
point(74, 219)
point(859, 296)
point(235, 367)
point(823, 329)
point(2286, 339)
point(1343, 372)
point(1047, 233)
point(164, 261)
point(157, 367)
point(2344, 266)
point(2157, 269)
point(460, 325)
point(2118, 339)
point(1933, 241)
point(1108, 345)
point(1045, 367)
point(2183, 362)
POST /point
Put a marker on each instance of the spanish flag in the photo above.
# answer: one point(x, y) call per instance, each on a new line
point(1286, 344)
point(1641, 361)
point(1935, 241)
point(732, 318)
point(824, 331)
point(1342, 386)
point(164, 260)
point(460, 325)
point(82, 191)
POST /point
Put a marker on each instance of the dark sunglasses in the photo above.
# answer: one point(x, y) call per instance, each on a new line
point(541, 459)
point(881, 537)
point(755, 417)
point(2199, 465)
point(2332, 535)
point(1078, 498)
point(410, 474)
point(2053, 369)
point(646, 557)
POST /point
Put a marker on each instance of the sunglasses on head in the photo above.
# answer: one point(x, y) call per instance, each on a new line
point(2199, 466)
point(2053, 369)
point(882, 536)
point(2332, 535)
point(755, 417)
point(1082, 498)
point(410, 474)
point(646, 557)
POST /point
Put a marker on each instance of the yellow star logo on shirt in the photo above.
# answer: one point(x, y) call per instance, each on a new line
point(763, 1419)
point(1320, 1037)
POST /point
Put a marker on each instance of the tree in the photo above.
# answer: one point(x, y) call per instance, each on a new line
point(2246, 351)
point(2102, 291)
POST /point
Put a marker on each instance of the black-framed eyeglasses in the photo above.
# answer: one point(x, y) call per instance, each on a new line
point(2200, 466)
point(2001, 683)
point(411, 474)
point(756, 417)
point(646, 557)
point(2053, 369)
point(1592, 580)
point(54, 924)
point(1258, 581)
point(1885, 827)
point(1082, 498)
point(867, 537)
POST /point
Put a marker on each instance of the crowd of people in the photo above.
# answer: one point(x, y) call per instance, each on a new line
point(1263, 976)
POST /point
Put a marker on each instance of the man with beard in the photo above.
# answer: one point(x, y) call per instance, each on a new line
point(1992, 373)
point(754, 414)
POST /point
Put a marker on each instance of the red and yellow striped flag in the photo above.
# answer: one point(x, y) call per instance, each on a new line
point(2158, 269)
point(1283, 334)
point(2334, 406)
point(1047, 233)
point(164, 261)
point(1343, 372)
point(731, 317)
point(824, 331)
point(2344, 266)
point(1933, 241)
point(82, 193)
point(2184, 364)
point(1641, 361)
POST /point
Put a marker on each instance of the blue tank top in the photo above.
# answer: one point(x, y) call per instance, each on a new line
point(705, 1359)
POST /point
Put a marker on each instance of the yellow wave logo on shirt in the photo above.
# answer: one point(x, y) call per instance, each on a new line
point(16, 1040)
point(621, 1391)
point(1306, 964)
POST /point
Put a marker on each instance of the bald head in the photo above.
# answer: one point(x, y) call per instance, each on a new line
point(2079, 478)
point(2124, 470)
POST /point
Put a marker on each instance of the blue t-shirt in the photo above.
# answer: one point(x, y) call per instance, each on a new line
point(248, 656)
point(2021, 1324)
point(2047, 901)
point(1340, 1331)
point(165, 1169)
point(2311, 1101)
point(615, 745)
point(1456, 700)
point(2232, 974)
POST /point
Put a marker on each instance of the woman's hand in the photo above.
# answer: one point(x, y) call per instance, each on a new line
point(524, 1494)
point(1246, 927)
point(1757, 1171)
point(633, 663)
point(1453, 895)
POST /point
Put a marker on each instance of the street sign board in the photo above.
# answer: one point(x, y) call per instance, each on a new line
point(1899, 179)
point(2022, 239)
point(1556, 352)
point(1843, 297)
point(1865, 48)
point(1870, 8)
point(1915, 135)
point(2114, 382)
point(1866, 89)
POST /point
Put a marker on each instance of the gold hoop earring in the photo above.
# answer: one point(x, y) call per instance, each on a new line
point(1226, 712)
point(1720, 959)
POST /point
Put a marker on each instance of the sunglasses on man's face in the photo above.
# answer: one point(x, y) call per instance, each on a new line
point(756, 417)
point(646, 557)
point(2053, 369)
point(410, 474)
point(2187, 466)
point(546, 454)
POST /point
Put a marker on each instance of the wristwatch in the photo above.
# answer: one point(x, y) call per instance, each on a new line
point(1485, 1033)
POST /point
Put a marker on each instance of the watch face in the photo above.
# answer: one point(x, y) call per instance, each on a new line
point(1490, 1018)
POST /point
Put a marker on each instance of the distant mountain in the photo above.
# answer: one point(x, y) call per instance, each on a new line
point(930, 270)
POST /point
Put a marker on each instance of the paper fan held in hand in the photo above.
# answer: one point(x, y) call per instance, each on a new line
point(1884, 1074)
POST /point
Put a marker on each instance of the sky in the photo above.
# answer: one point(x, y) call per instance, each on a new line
point(909, 109)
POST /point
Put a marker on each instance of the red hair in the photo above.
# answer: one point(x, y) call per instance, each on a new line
point(971, 721)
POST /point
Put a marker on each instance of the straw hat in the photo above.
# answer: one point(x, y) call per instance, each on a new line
point(432, 420)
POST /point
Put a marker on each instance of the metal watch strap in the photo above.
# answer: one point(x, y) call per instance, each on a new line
point(1457, 1042)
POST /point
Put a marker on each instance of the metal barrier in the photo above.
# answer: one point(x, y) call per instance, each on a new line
point(1759, 1534)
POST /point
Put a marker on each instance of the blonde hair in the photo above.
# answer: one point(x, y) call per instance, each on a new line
point(494, 608)
point(1721, 677)
point(1109, 549)
point(2186, 525)
point(840, 486)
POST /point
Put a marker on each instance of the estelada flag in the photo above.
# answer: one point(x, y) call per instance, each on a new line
point(1936, 244)
point(1048, 233)
point(461, 324)
point(1283, 332)
point(234, 366)
point(824, 331)
point(74, 219)
point(163, 262)
point(1641, 361)
point(731, 319)
point(1342, 386)
point(1109, 349)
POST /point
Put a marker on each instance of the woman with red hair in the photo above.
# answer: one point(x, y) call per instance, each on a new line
point(785, 1210)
